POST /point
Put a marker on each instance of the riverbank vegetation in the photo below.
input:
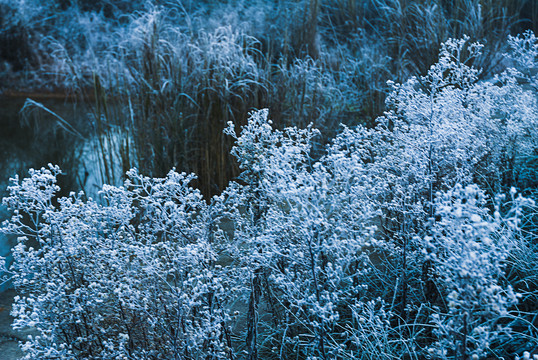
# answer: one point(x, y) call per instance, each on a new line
point(364, 182)
point(157, 81)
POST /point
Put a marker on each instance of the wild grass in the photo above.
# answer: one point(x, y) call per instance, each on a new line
point(167, 76)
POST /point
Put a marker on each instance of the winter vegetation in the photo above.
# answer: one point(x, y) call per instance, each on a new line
point(350, 180)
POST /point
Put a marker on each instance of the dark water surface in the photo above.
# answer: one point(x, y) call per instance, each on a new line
point(32, 140)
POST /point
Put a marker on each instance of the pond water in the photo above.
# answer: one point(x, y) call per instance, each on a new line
point(29, 144)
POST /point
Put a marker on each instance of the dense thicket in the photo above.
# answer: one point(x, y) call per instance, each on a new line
point(412, 239)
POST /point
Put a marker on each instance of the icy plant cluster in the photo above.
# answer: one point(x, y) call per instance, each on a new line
point(467, 249)
point(396, 242)
point(133, 276)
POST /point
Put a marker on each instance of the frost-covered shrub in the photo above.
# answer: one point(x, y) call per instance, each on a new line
point(524, 54)
point(131, 277)
point(467, 250)
point(306, 230)
point(309, 232)
point(447, 127)
point(444, 128)
point(441, 130)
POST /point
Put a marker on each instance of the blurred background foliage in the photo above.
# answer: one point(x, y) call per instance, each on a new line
point(156, 81)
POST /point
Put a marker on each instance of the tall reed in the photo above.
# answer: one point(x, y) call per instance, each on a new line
point(165, 78)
